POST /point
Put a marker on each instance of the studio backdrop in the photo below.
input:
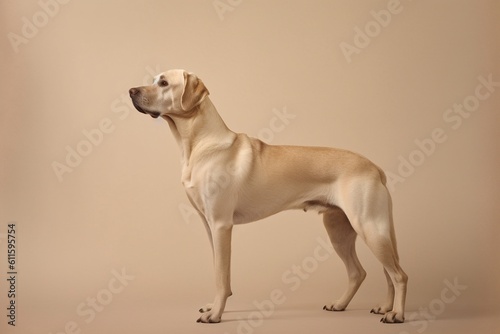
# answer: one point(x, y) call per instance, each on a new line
point(97, 234)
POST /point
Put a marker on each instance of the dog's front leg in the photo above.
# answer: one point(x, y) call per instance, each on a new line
point(208, 306)
point(221, 238)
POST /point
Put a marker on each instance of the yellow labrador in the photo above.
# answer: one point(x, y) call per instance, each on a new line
point(233, 179)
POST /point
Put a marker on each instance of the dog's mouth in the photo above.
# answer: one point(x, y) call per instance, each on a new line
point(154, 114)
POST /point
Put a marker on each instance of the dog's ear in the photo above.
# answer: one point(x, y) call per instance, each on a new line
point(194, 92)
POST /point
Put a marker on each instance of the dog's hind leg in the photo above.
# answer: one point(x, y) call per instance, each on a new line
point(370, 212)
point(387, 305)
point(343, 239)
point(382, 248)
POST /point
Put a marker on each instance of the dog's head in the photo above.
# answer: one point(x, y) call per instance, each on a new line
point(174, 93)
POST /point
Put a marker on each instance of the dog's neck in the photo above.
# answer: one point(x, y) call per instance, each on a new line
point(203, 126)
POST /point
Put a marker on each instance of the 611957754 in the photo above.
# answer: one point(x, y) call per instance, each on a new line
point(11, 273)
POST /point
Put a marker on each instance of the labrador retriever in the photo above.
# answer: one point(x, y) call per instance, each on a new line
point(347, 188)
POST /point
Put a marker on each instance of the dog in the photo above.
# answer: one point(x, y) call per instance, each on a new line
point(231, 179)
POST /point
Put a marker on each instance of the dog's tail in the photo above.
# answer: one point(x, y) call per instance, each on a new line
point(383, 177)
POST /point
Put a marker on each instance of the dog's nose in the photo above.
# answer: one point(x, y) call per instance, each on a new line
point(133, 91)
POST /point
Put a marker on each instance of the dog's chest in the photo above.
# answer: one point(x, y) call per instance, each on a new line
point(192, 189)
point(186, 177)
point(195, 182)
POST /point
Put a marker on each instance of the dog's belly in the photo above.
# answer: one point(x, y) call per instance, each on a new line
point(246, 215)
point(268, 201)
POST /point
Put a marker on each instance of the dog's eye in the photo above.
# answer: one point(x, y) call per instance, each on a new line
point(163, 83)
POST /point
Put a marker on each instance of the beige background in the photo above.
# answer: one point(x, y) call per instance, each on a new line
point(123, 207)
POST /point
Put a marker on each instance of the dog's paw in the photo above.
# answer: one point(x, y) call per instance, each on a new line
point(393, 318)
point(335, 307)
point(208, 318)
point(380, 310)
point(206, 308)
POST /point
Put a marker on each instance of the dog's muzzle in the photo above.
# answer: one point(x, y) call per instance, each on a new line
point(134, 94)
